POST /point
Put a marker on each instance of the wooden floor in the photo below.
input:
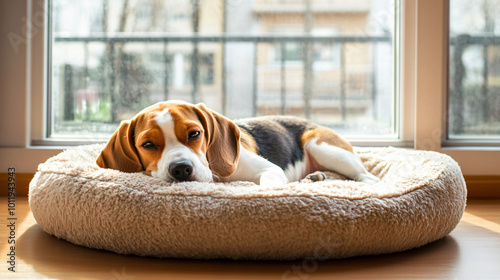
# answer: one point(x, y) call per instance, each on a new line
point(471, 251)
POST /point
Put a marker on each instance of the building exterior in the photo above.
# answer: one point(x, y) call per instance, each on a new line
point(241, 58)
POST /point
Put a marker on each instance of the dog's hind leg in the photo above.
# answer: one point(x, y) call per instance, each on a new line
point(333, 158)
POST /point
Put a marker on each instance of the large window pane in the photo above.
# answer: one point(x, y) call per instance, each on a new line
point(474, 88)
point(328, 60)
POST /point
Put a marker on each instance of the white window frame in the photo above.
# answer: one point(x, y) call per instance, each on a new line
point(423, 76)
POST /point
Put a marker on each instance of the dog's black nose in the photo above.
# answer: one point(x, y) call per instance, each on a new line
point(181, 170)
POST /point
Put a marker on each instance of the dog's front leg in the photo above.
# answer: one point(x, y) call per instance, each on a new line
point(273, 176)
point(254, 168)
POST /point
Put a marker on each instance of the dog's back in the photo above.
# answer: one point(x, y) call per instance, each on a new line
point(278, 138)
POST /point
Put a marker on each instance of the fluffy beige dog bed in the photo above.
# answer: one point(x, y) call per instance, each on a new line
point(421, 198)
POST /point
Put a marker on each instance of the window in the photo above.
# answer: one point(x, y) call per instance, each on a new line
point(474, 83)
point(331, 61)
point(424, 78)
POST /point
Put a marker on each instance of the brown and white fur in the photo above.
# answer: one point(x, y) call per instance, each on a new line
point(178, 141)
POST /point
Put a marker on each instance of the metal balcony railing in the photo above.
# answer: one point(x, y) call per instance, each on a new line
point(482, 108)
point(306, 41)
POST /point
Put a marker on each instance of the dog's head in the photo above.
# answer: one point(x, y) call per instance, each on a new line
point(174, 141)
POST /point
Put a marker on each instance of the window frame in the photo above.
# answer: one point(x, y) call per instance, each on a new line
point(431, 78)
point(41, 138)
point(421, 117)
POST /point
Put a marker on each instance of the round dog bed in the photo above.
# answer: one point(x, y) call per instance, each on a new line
point(420, 198)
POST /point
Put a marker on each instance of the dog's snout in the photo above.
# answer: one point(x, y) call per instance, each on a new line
point(181, 170)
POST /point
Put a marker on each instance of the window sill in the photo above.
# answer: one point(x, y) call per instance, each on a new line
point(474, 160)
point(26, 160)
point(488, 145)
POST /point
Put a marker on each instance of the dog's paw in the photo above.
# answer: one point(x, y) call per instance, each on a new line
point(316, 176)
point(273, 177)
point(368, 178)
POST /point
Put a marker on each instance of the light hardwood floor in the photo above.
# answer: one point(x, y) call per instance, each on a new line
point(471, 251)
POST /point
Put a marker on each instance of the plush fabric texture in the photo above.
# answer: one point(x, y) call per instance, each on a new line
point(420, 198)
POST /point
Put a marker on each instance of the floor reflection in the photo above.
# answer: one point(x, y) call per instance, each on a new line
point(54, 257)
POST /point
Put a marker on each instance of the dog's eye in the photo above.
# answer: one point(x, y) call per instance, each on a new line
point(149, 146)
point(193, 135)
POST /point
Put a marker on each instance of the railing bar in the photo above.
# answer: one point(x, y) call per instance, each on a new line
point(85, 77)
point(466, 39)
point(69, 98)
point(195, 56)
point(456, 101)
point(307, 78)
point(342, 84)
point(255, 80)
point(167, 73)
point(194, 73)
point(113, 81)
point(484, 90)
point(374, 80)
point(226, 38)
point(283, 78)
point(308, 59)
point(223, 80)
point(224, 69)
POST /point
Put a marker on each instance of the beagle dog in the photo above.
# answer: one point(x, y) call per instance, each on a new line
point(178, 141)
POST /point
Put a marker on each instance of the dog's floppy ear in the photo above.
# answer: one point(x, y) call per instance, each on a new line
point(223, 141)
point(120, 152)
